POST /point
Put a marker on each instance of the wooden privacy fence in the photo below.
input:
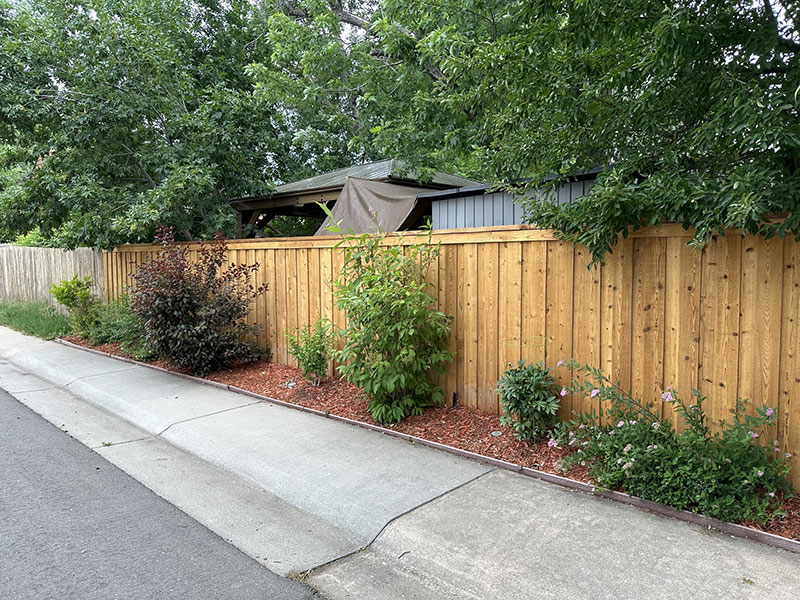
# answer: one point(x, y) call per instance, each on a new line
point(27, 273)
point(724, 320)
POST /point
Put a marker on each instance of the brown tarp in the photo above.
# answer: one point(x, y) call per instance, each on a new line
point(365, 206)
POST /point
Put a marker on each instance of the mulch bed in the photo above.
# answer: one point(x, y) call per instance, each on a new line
point(459, 426)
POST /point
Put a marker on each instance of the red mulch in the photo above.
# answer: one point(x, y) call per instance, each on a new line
point(459, 427)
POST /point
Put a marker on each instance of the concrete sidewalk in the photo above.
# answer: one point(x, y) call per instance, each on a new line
point(370, 516)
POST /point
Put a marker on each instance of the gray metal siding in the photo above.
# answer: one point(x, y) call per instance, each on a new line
point(497, 208)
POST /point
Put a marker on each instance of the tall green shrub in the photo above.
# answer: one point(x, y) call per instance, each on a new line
point(394, 337)
point(194, 311)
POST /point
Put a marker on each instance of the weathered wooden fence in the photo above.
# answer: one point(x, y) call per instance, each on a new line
point(26, 273)
point(725, 320)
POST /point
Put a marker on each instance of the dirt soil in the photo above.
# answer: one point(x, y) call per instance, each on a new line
point(459, 426)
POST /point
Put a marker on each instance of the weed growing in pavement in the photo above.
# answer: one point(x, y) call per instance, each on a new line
point(627, 445)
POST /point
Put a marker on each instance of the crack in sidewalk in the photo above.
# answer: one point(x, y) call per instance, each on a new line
point(303, 576)
point(211, 414)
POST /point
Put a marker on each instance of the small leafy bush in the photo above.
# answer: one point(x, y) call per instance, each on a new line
point(394, 337)
point(116, 323)
point(193, 312)
point(529, 400)
point(728, 475)
point(312, 349)
point(76, 295)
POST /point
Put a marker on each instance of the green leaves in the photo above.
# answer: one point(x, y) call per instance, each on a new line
point(529, 400)
point(312, 349)
point(393, 340)
point(730, 474)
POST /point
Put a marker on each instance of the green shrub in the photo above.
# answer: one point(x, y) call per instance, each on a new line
point(194, 312)
point(312, 349)
point(76, 295)
point(116, 323)
point(727, 475)
point(393, 337)
point(529, 400)
point(34, 318)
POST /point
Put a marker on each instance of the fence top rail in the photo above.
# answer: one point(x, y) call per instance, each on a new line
point(476, 235)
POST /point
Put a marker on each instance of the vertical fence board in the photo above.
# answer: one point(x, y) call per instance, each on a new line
point(586, 333)
point(719, 330)
point(560, 275)
point(487, 308)
point(510, 305)
point(789, 401)
point(616, 328)
point(649, 275)
point(534, 301)
point(760, 321)
point(681, 322)
point(448, 303)
point(469, 325)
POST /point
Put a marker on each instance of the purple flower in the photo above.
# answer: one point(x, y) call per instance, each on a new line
point(667, 396)
point(553, 443)
point(753, 434)
point(594, 393)
point(560, 363)
point(761, 473)
point(772, 494)
point(563, 392)
point(770, 412)
point(621, 423)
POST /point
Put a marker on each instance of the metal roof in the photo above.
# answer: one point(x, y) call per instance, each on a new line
point(382, 170)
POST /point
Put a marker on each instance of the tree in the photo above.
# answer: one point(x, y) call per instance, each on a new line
point(130, 114)
point(689, 106)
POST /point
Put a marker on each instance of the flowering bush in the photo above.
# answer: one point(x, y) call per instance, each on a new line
point(528, 397)
point(193, 312)
point(628, 446)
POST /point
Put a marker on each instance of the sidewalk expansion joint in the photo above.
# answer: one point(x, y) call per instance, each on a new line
point(111, 444)
point(211, 414)
point(44, 389)
point(82, 377)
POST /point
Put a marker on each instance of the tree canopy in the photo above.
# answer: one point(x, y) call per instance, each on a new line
point(116, 115)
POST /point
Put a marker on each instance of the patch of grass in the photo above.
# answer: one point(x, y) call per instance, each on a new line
point(34, 318)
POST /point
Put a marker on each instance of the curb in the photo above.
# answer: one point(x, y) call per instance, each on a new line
point(732, 529)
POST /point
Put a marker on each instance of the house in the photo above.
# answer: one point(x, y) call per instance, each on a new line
point(482, 206)
point(386, 195)
point(380, 194)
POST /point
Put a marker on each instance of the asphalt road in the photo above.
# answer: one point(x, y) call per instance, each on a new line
point(73, 526)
